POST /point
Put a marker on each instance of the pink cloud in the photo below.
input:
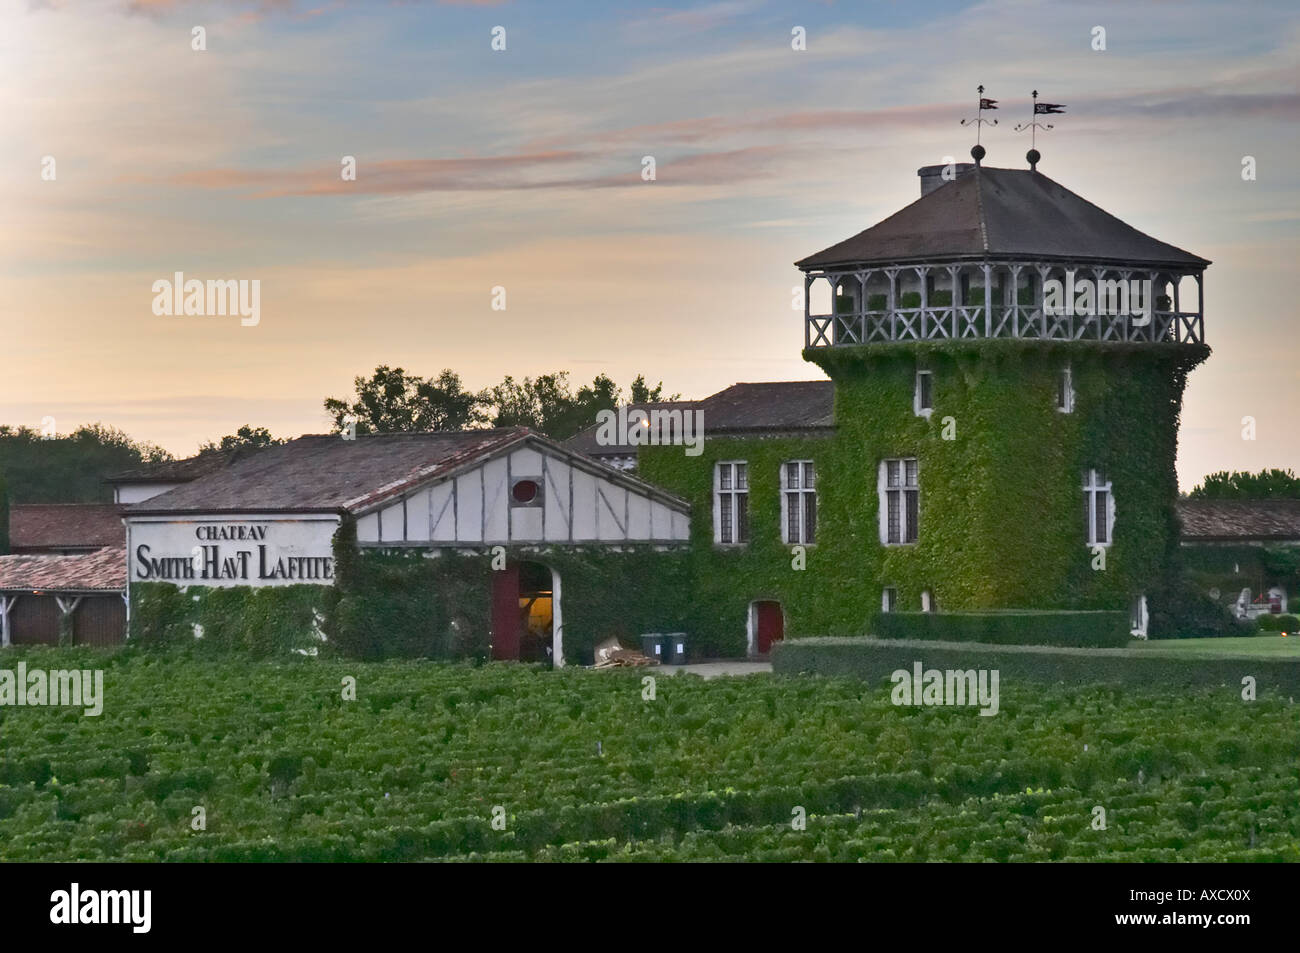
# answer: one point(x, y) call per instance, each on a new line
point(487, 173)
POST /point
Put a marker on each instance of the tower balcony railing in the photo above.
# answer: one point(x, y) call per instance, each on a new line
point(1015, 304)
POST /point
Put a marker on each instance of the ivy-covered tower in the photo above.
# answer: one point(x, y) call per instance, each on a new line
point(1009, 363)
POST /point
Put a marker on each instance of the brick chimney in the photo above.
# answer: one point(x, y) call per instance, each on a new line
point(932, 175)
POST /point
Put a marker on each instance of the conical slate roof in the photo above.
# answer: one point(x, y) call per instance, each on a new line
point(1002, 214)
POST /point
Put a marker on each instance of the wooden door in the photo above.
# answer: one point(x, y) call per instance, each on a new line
point(99, 620)
point(34, 620)
point(505, 614)
point(771, 626)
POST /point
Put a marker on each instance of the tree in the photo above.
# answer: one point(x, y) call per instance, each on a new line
point(246, 437)
point(642, 394)
point(1238, 485)
point(69, 468)
point(549, 405)
point(392, 401)
point(4, 516)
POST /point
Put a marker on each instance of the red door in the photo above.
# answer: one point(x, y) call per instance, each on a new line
point(505, 614)
point(771, 626)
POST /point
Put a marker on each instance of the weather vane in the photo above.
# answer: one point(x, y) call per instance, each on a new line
point(1040, 109)
point(979, 120)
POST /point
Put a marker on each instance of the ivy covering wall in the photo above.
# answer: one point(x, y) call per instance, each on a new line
point(260, 621)
point(1001, 504)
point(410, 603)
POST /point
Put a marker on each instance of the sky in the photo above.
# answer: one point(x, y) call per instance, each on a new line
point(521, 169)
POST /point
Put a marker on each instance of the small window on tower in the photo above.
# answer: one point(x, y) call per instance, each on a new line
point(923, 400)
point(1065, 391)
point(900, 501)
point(1098, 508)
point(888, 599)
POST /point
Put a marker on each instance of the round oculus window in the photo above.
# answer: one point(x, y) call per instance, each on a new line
point(525, 491)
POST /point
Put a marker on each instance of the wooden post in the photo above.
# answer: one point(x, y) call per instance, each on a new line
point(893, 301)
point(923, 272)
point(1042, 294)
point(954, 272)
point(807, 311)
point(1097, 275)
point(1200, 307)
point(1151, 306)
point(1011, 298)
point(6, 603)
point(988, 300)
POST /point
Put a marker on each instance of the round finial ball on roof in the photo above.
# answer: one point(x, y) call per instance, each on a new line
point(1033, 155)
point(977, 153)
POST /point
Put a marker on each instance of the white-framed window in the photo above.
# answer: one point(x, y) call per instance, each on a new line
point(1065, 390)
point(1098, 508)
point(1138, 617)
point(798, 502)
point(900, 501)
point(923, 394)
point(889, 599)
point(731, 502)
point(928, 603)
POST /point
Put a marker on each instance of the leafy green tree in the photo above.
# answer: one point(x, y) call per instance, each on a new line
point(69, 468)
point(246, 437)
point(549, 405)
point(643, 394)
point(4, 516)
point(1238, 485)
point(393, 401)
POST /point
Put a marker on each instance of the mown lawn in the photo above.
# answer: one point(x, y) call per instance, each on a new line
point(582, 765)
point(1270, 645)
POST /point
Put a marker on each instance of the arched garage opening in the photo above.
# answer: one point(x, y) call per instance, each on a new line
point(766, 625)
point(526, 624)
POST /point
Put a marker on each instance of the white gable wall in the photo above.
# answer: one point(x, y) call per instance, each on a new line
point(477, 507)
point(493, 476)
point(139, 492)
point(557, 499)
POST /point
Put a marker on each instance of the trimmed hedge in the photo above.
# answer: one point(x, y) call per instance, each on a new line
point(876, 659)
point(1095, 629)
point(1279, 623)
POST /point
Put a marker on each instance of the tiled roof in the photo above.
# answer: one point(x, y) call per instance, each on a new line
point(1002, 214)
point(182, 471)
point(585, 441)
point(65, 525)
point(769, 406)
point(104, 569)
point(1239, 520)
point(325, 473)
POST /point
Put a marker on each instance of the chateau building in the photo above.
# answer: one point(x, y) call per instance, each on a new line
point(1006, 366)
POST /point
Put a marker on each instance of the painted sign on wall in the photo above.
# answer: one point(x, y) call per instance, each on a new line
point(232, 552)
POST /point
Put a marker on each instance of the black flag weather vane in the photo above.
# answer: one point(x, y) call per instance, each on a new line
point(979, 119)
point(1040, 109)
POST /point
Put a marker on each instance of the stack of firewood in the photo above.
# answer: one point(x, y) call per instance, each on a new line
point(610, 654)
